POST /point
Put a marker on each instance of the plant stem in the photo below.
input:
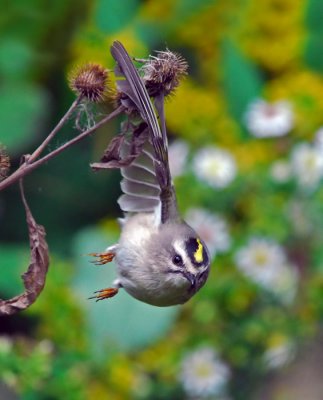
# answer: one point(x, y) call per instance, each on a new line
point(57, 128)
point(26, 168)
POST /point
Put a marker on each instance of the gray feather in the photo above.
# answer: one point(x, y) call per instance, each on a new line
point(145, 160)
point(131, 203)
point(140, 189)
point(139, 95)
point(138, 174)
point(139, 184)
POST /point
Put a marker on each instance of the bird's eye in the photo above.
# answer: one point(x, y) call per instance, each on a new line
point(177, 260)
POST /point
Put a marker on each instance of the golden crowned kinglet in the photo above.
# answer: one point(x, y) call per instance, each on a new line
point(160, 259)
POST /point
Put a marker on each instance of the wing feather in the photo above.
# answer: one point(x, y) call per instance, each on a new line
point(131, 203)
point(140, 97)
point(139, 189)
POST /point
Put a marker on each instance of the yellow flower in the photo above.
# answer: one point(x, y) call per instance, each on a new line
point(157, 10)
point(93, 46)
point(272, 32)
point(195, 112)
point(250, 153)
point(304, 88)
point(122, 376)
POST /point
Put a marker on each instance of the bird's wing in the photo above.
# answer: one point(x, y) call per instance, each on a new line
point(138, 94)
point(141, 191)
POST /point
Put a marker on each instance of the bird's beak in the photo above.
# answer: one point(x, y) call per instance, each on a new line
point(191, 278)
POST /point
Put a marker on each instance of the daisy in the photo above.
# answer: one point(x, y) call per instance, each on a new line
point(214, 166)
point(318, 139)
point(203, 374)
point(280, 352)
point(261, 260)
point(177, 152)
point(6, 344)
point(281, 171)
point(297, 215)
point(265, 119)
point(307, 165)
point(212, 228)
point(284, 284)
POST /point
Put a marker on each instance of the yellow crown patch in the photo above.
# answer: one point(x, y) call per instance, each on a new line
point(198, 255)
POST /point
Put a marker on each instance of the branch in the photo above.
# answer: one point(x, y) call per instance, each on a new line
point(27, 167)
point(57, 128)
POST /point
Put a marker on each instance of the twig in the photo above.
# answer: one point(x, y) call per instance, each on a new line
point(57, 128)
point(26, 168)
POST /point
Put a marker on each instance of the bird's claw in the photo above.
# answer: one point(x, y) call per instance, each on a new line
point(102, 258)
point(104, 294)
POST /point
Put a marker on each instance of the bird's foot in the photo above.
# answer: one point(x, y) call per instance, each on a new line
point(106, 256)
point(104, 294)
point(103, 258)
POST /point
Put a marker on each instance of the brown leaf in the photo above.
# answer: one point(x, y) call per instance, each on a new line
point(34, 278)
point(112, 155)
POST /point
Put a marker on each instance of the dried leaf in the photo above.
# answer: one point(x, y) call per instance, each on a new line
point(112, 155)
point(34, 278)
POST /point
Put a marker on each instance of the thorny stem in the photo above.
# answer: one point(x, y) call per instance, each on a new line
point(27, 167)
point(57, 128)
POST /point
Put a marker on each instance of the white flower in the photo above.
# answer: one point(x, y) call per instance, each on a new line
point(266, 264)
point(203, 374)
point(284, 284)
point(318, 139)
point(297, 215)
point(45, 347)
point(177, 152)
point(265, 119)
point(281, 171)
point(261, 260)
point(215, 166)
point(307, 165)
point(280, 353)
point(212, 228)
point(5, 344)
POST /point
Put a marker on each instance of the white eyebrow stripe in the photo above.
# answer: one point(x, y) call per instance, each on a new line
point(187, 261)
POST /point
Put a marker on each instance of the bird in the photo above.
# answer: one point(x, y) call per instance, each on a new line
point(160, 259)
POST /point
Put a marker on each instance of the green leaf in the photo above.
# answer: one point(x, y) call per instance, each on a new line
point(313, 16)
point(112, 15)
point(314, 52)
point(123, 321)
point(185, 8)
point(16, 58)
point(22, 108)
point(241, 80)
point(152, 34)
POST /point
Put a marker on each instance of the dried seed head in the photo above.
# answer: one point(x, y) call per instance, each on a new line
point(116, 98)
point(4, 163)
point(162, 73)
point(90, 81)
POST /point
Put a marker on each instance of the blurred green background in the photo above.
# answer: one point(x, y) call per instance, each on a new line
point(250, 177)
